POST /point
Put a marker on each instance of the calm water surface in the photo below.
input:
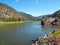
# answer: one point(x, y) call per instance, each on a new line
point(21, 34)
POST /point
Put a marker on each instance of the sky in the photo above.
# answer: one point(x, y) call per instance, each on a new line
point(34, 7)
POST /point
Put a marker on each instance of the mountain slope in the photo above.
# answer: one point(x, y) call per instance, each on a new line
point(56, 14)
point(9, 12)
point(27, 16)
point(53, 19)
point(40, 17)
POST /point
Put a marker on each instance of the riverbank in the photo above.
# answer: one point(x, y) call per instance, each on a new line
point(11, 22)
point(17, 22)
point(53, 38)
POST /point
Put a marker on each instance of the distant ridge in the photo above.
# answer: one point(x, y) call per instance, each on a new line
point(54, 15)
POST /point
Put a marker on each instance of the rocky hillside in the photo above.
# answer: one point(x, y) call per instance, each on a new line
point(53, 19)
point(9, 12)
point(56, 14)
point(27, 16)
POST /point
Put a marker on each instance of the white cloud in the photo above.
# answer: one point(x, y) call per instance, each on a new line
point(17, 0)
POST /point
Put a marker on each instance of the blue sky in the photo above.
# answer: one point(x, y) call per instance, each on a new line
point(34, 7)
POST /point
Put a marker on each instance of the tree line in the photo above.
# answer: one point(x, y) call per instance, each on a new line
point(10, 19)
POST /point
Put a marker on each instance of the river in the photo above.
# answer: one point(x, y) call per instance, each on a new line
point(22, 33)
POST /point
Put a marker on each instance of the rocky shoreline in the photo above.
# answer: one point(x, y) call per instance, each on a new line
point(51, 22)
point(46, 40)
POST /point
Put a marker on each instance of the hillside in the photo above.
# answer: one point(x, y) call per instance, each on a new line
point(44, 16)
point(53, 19)
point(9, 12)
point(27, 16)
point(56, 14)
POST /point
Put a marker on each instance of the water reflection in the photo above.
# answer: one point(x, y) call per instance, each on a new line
point(47, 27)
point(21, 34)
point(8, 28)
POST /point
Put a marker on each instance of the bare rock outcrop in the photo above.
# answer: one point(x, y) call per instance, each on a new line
point(50, 21)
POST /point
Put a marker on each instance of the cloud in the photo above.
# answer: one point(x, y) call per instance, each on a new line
point(17, 0)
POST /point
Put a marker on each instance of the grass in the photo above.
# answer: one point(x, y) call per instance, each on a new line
point(56, 33)
point(16, 22)
point(11, 22)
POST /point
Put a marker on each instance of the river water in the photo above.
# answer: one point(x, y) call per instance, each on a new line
point(21, 34)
